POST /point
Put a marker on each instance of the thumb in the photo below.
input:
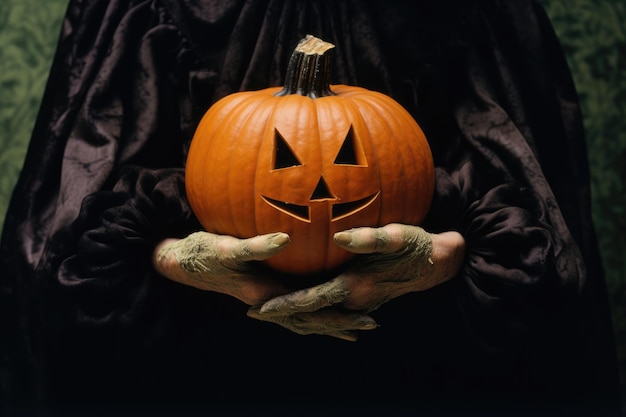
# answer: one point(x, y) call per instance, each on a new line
point(261, 247)
point(393, 239)
point(386, 239)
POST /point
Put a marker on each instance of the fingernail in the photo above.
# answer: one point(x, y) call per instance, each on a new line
point(368, 324)
point(266, 310)
point(343, 238)
point(270, 308)
point(279, 239)
point(253, 312)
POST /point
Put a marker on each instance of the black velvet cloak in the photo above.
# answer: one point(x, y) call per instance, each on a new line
point(87, 320)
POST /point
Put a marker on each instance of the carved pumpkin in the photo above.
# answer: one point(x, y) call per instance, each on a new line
point(309, 160)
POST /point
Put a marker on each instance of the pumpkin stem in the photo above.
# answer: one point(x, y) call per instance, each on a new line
point(308, 72)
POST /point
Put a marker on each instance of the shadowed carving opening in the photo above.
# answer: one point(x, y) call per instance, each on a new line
point(284, 157)
point(351, 152)
point(341, 210)
point(294, 210)
point(321, 191)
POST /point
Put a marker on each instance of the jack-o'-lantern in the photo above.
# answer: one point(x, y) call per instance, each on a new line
point(308, 159)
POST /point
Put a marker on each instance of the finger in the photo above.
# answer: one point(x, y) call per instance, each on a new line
point(311, 299)
point(320, 322)
point(387, 239)
point(348, 335)
point(366, 240)
point(204, 252)
point(328, 321)
point(261, 247)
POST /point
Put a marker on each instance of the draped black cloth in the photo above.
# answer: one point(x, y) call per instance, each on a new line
point(87, 320)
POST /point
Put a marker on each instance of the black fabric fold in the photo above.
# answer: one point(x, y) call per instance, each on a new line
point(525, 324)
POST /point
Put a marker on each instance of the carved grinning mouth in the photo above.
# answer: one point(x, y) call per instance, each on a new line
point(338, 210)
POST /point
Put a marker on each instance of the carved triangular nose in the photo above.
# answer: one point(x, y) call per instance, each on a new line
point(322, 192)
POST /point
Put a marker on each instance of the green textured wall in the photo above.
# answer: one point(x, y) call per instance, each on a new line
point(593, 34)
point(29, 31)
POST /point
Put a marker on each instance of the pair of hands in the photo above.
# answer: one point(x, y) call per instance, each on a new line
point(395, 259)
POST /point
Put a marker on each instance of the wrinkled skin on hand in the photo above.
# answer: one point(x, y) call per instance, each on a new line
point(395, 260)
point(327, 321)
point(392, 264)
point(223, 264)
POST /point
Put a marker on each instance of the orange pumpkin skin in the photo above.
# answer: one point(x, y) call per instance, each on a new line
point(261, 163)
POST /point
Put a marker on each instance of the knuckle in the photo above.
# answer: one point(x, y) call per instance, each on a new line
point(381, 240)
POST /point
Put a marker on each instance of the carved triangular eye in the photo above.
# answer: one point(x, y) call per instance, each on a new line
point(283, 155)
point(351, 152)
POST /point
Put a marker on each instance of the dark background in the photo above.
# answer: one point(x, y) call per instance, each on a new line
point(593, 34)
